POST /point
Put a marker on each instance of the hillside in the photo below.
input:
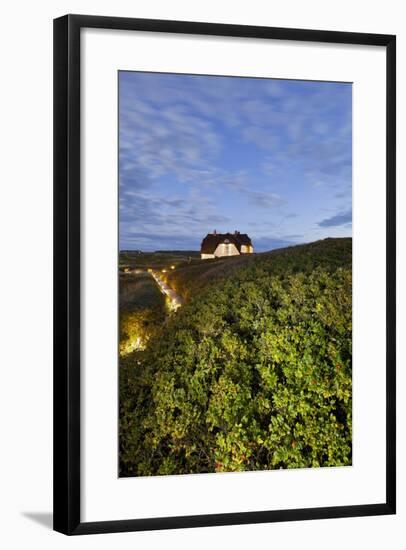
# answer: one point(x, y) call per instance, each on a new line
point(134, 259)
point(253, 372)
point(329, 253)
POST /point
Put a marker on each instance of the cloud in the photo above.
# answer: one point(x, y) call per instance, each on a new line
point(263, 244)
point(343, 218)
point(161, 241)
point(158, 140)
point(149, 219)
point(344, 194)
point(261, 137)
point(197, 153)
point(292, 215)
point(174, 122)
point(263, 199)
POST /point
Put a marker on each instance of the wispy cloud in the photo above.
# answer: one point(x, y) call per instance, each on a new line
point(197, 152)
point(263, 199)
point(343, 218)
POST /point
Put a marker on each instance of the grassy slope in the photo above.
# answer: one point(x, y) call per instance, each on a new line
point(253, 372)
point(156, 260)
point(329, 253)
point(139, 292)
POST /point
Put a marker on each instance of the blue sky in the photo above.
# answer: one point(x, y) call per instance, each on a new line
point(271, 158)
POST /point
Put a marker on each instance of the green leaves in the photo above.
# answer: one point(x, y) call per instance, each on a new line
point(252, 373)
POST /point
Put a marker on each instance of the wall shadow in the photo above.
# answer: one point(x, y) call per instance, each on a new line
point(42, 518)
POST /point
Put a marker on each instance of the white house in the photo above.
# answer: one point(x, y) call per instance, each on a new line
point(216, 245)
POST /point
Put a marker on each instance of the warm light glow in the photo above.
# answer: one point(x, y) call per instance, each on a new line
point(134, 343)
point(137, 342)
point(173, 301)
point(172, 267)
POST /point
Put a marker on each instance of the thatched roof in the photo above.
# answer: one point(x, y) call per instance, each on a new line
point(212, 240)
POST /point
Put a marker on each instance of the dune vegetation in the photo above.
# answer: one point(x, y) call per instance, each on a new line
point(253, 372)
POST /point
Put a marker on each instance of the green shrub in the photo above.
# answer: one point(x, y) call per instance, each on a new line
point(252, 373)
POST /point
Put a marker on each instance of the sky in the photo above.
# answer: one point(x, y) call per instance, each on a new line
point(270, 158)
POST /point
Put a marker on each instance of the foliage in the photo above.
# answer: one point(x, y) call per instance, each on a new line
point(330, 253)
point(139, 292)
point(159, 259)
point(254, 372)
point(142, 311)
point(137, 327)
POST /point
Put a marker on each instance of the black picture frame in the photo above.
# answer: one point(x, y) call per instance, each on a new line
point(67, 296)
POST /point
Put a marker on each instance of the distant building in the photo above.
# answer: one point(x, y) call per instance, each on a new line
point(216, 245)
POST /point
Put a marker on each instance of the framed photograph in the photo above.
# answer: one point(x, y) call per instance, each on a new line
point(224, 299)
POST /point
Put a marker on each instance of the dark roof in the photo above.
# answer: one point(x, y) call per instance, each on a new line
point(212, 240)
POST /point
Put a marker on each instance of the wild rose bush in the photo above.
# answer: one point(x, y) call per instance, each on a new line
point(253, 373)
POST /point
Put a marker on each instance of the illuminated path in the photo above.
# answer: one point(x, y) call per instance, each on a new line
point(174, 300)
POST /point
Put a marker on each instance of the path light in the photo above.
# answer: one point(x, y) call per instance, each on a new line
point(172, 301)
